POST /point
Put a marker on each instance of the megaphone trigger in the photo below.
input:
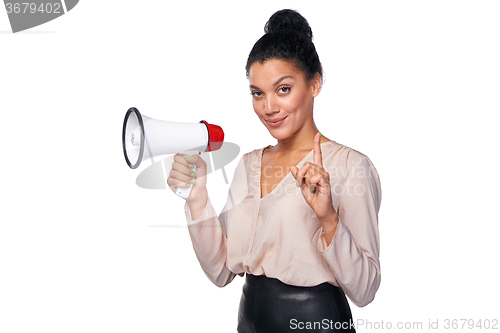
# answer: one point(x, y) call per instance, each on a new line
point(184, 192)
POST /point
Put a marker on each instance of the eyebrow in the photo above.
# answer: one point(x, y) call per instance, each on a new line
point(276, 83)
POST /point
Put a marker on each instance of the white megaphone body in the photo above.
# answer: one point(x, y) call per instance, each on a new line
point(144, 138)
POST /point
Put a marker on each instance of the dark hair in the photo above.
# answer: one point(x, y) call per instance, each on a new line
point(288, 37)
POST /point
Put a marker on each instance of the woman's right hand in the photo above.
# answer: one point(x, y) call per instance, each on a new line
point(181, 175)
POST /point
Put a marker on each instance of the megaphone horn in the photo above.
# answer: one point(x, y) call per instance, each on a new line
point(144, 138)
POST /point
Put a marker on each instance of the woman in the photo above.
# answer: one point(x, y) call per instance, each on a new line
point(301, 216)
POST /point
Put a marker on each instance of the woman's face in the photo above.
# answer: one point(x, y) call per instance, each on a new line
point(282, 97)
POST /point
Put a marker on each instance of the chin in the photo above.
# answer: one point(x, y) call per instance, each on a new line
point(279, 134)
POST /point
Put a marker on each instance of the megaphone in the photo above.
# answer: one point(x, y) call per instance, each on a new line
point(144, 138)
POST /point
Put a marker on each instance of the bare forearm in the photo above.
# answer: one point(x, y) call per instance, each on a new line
point(329, 224)
point(198, 204)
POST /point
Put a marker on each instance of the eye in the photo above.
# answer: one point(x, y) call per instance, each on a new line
point(284, 90)
point(256, 94)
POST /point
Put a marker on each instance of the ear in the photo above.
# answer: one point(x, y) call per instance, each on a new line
point(316, 84)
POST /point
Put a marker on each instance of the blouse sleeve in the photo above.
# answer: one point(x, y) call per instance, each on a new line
point(209, 232)
point(210, 244)
point(353, 254)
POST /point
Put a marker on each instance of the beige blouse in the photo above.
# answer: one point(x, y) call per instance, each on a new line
point(281, 237)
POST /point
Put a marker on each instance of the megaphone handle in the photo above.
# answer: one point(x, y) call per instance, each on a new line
point(184, 192)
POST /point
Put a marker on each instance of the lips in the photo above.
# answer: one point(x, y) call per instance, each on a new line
point(274, 122)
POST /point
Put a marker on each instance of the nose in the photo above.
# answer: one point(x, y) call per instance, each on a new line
point(270, 105)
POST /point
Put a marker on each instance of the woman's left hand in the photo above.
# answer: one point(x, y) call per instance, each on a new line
point(314, 182)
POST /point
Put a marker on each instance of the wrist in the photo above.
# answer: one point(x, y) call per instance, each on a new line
point(199, 201)
point(330, 222)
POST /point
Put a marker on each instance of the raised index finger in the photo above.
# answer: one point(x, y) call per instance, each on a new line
point(318, 158)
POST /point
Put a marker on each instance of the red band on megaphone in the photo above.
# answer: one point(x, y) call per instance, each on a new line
point(215, 136)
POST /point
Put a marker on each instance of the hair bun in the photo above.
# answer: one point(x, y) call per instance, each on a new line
point(287, 19)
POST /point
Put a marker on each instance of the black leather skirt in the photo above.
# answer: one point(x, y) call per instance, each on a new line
point(269, 305)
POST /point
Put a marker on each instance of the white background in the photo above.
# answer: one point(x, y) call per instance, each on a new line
point(412, 84)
